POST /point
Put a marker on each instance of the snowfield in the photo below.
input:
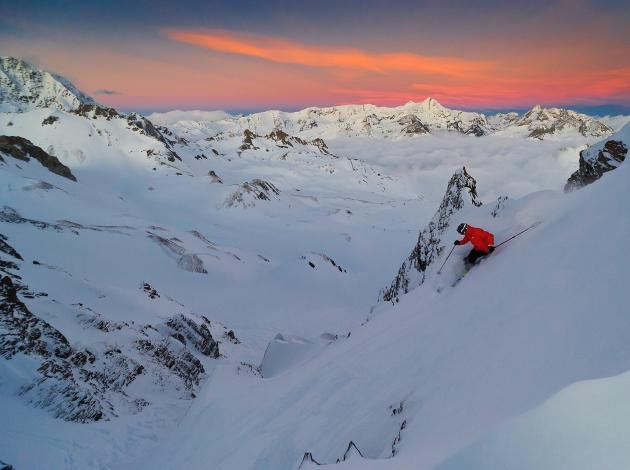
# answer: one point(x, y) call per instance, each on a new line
point(208, 292)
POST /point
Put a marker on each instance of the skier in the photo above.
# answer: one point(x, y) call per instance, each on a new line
point(482, 241)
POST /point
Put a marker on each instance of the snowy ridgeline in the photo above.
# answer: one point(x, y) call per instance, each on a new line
point(204, 293)
point(411, 119)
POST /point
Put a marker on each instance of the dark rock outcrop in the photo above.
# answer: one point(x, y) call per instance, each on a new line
point(475, 129)
point(94, 111)
point(136, 122)
point(413, 125)
point(280, 137)
point(50, 120)
point(231, 337)
point(22, 149)
point(320, 144)
point(261, 189)
point(461, 190)
point(146, 127)
point(350, 451)
point(594, 162)
point(251, 191)
point(308, 459)
point(323, 257)
point(177, 360)
point(198, 334)
point(214, 177)
point(248, 140)
point(6, 466)
point(11, 216)
point(8, 249)
point(150, 291)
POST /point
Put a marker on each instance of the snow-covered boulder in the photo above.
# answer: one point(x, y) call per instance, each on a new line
point(600, 158)
point(460, 192)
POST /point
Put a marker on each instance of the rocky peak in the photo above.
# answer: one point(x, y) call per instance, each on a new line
point(548, 121)
point(23, 86)
point(460, 191)
point(599, 159)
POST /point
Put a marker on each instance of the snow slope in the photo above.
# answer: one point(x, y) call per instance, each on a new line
point(578, 428)
point(458, 363)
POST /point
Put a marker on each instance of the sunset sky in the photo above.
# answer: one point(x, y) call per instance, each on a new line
point(249, 55)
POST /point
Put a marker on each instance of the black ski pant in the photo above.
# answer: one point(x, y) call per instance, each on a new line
point(474, 255)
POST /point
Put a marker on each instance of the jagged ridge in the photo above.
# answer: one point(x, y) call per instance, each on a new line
point(430, 246)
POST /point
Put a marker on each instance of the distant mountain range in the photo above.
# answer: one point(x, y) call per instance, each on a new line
point(22, 86)
point(408, 120)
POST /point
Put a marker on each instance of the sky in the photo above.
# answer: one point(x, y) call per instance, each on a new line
point(246, 55)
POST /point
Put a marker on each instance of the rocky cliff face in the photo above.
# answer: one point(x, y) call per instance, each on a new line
point(84, 384)
point(600, 158)
point(461, 191)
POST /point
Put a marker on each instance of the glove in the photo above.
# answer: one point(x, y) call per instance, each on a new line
point(456, 242)
point(490, 249)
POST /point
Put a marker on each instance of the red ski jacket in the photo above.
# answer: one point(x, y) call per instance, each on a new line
point(480, 239)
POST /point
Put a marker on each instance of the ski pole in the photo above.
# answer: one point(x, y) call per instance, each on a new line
point(449, 255)
point(519, 233)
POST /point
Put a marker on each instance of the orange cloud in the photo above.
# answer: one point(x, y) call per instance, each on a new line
point(288, 52)
point(577, 86)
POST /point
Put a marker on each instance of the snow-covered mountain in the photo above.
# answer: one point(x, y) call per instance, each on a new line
point(368, 120)
point(411, 119)
point(23, 86)
point(204, 293)
point(541, 122)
